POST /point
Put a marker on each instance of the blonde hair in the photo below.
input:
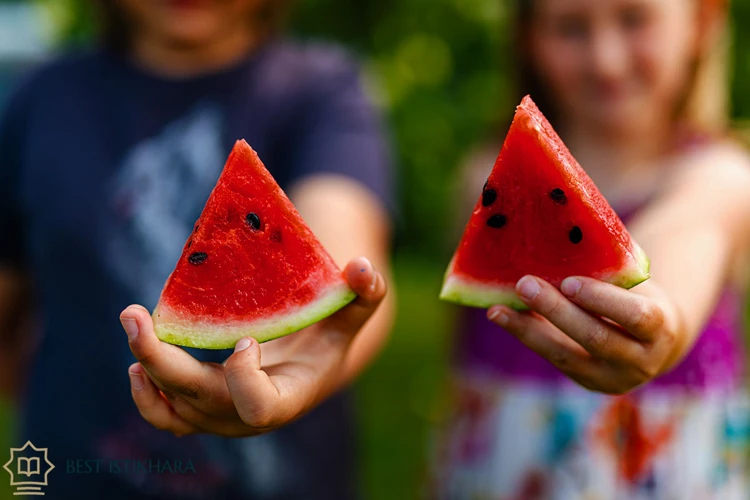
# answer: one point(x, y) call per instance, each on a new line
point(706, 107)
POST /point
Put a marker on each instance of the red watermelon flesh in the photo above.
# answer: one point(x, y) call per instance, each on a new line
point(540, 214)
point(251, 267)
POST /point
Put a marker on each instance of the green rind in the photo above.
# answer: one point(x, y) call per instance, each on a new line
point(471, 293)
point(206, 335)
point(475, 294)
point(637, 275)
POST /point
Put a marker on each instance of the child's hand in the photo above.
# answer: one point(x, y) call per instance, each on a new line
point(260, 387)
point(605, 338)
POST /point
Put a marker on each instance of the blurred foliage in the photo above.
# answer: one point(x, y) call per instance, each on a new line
point(440, 72)
point(740, 60)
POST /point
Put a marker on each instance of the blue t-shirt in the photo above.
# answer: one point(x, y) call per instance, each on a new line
point(104, 169)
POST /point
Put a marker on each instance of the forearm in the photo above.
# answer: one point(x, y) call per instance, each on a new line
point(695, 237)
point(371, 339)
point(351, 223)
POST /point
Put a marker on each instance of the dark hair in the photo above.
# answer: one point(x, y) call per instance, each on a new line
point(115, 30)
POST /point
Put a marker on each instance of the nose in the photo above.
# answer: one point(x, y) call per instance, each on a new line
point(608, 53)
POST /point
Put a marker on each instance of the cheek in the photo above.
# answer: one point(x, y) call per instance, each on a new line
point(664, 61)
point(561, 67)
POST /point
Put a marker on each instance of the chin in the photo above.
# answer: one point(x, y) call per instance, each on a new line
point(184, 36)
point(619, 118)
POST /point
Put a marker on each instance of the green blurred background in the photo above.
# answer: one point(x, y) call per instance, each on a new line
point(439, 70)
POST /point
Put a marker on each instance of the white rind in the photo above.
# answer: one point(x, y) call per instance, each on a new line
point(465, 291)
point(174, 328)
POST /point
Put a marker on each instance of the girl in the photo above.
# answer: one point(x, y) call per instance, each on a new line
point(628, 84)
point(106, 160)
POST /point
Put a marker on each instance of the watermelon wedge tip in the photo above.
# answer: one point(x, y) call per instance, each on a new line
point(538, 213)
point(251, 267)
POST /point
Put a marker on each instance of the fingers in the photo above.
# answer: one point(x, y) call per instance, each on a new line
point(596, 336)
point(172, 369)
point(543, 338)
point(152, 405)
point(637, 314)
point(563, 352)
point(370, 287)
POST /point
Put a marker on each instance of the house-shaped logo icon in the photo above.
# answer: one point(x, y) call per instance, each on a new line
point(28, 468)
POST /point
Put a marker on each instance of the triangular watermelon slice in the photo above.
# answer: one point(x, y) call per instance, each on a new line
point(251, 267)
point(539, 213)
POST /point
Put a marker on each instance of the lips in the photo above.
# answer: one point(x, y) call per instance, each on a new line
point(187, 4)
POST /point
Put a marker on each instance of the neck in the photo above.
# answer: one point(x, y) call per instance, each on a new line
point(169, 59)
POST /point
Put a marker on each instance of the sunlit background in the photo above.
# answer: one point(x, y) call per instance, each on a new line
point(438, 69)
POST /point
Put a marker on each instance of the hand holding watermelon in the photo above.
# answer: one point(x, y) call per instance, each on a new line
point(604, 337)
point(261, 386)
point(539, 220)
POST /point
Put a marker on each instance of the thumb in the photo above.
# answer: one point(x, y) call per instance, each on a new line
point(254, 394)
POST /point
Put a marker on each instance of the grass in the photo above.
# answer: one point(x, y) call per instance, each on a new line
point(400, 398)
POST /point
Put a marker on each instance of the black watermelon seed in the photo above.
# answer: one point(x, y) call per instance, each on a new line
point(253, 220)
point(488, 197)
point(575, 235)
point(197, 258)
point(276, 236)
point(497, 221)
point(558, 196)
point(190, 243)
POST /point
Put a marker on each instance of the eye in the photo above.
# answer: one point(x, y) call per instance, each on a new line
point(635, 17)
point(571, 27)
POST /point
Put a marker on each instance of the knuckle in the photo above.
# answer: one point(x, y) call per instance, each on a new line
point(646, 372)
point(647, 316)
point(597, 338)
point(551, 307)
point(146, 358)
point(260, 418)
point(559, 357)
point(169, 393)
point(190, 389)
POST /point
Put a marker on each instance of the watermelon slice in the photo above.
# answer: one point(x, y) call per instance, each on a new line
point(251, 267)
point(540, 214)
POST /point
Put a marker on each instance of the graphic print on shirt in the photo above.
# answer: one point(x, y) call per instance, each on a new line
point(158, 195)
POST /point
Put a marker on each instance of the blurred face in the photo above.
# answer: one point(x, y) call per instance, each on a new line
point(189, 22)
point(614, 64)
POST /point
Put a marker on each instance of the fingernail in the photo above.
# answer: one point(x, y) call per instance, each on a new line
point(528, 288)
point(131, 327)
point(570, 287)
point(499, 316)
point(243, 344)
point(374, 282)
point(136, 380)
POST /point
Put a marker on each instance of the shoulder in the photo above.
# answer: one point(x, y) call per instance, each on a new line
point(722, 165)
point(308, 69)
point(313, 60)
point(713, 183)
